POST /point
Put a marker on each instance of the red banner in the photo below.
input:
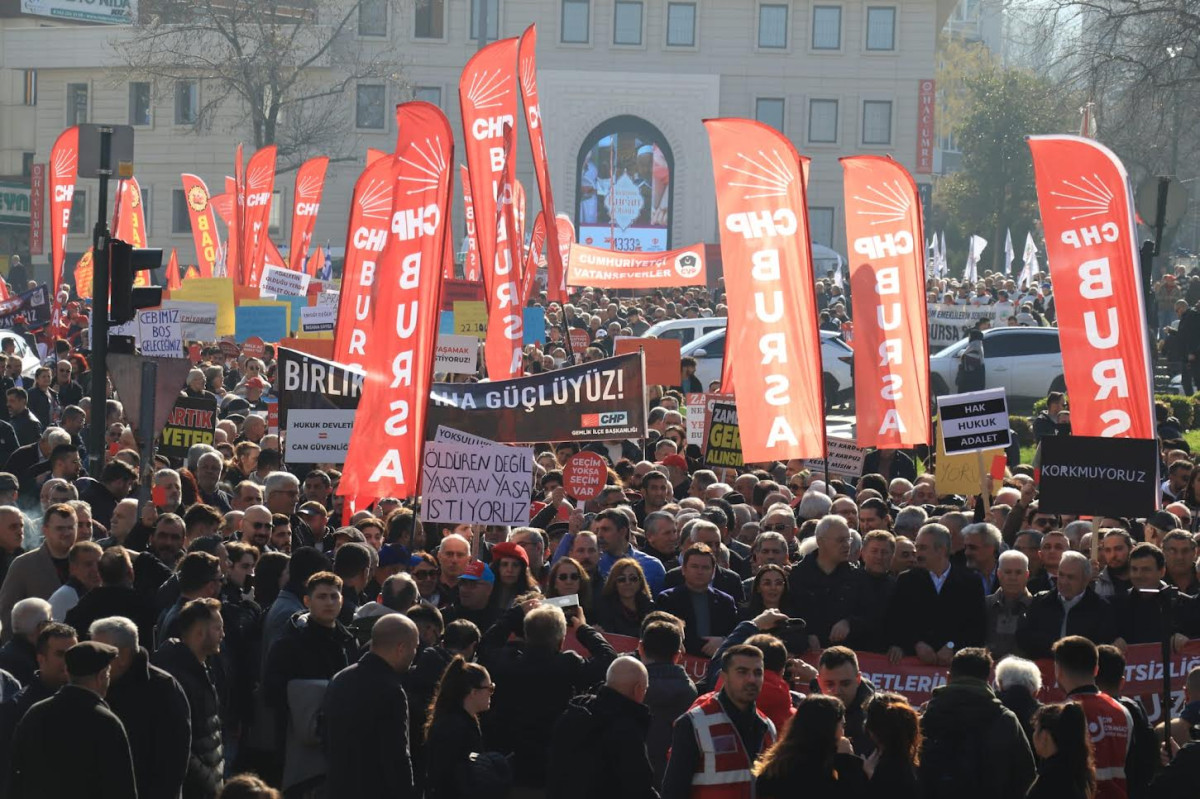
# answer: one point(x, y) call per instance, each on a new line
point(260, 188)
point(537, 240)
point(527, 69)
point(64, 160)
point(505, 326)
point(370, 219)
point(487, 96)
point(204, 223)
point(37, 207)
point(310, 183)
point(315, 262)
point(174, 281)
point(471, 258)
point(887, 278)
point(926, 132)
point(773, 337)
point(385, 446)
point(84, 270)
point(1091, 244)
point(565, 229)
point(374, 155)
point(129, 220)
point(591, 266)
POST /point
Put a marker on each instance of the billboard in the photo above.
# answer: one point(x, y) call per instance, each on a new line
point(623, 187)
point(112, 12)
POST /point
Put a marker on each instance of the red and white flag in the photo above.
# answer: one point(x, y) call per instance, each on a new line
point(505, 326)
point(64, 162)
point(772, 334)
point(260, 188)
point(1091, 244)
point(537, 240)
point(204, 223)
point(471, 258)
point(310, 183)
point(884, 235)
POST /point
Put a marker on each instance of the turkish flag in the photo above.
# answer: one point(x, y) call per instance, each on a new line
point(885, 238)
point(64, 161)
point(1091, 245)
point(310, 183)
point(772, 331)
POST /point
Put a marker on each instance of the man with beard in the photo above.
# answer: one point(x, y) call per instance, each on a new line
point(117, 479)
point(256, 527)
point(208, 475)
point(154, 567)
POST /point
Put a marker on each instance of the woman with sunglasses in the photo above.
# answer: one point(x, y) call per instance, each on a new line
point(452, 733)
point(426, 572)
point(568, 577)
point(768, 592)
point(625, 600)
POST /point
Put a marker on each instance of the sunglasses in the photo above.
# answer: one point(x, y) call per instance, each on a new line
point(425, 574)
point(260, 525)
point(564, 577)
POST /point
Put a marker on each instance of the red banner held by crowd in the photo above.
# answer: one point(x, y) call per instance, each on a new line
point(591, 266)
point(385, 447)
point(64, 161)
point(1091, 244)
point(884, 235)
point(260, 188)
point(765, 248)
point(204, 223)
point(310, 183)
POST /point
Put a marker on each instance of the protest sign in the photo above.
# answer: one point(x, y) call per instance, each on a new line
point(254, 347)
point(962, 474)
point(534, 326)
point(269, 324)
point(161, 332)
point(698, 406)
point(317, 403)
point(296, 304)
point(456, 355)
point(473, 484)
point(662, 357)
point(722, 437)
point(845, 458)
point(585, 475)
point(34, 305)
point(461, 291)
point(318, 319)
point(279, 280)
point(1098, 476)
point(580, 340)
point(328, 298)
point(451, 436)
point(192, 421)
point(975, 421)
point(591, 266)
point(949, 323)
point(470, 319)
point(446, 323)
point(599, 401)
point(276, 303)
point(215, 290)
point(197, 320)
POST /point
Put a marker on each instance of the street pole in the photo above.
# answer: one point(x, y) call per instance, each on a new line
point(101, 236)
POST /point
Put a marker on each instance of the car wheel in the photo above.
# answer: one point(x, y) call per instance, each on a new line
point(1059, 384)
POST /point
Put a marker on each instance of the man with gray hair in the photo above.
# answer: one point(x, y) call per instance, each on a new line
point(813, 505)
point(1018, 682)
point(19, 656)
point(208, 470)
point(24, 460)
point(1009, 603)
point(825, 589)
point(151, 705)
point(1071, 608)
point(982, 545)
point(909, 522)
point(281, 494)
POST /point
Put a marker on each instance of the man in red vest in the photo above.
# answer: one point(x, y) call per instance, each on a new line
point(714, 744)
point(1109, 723)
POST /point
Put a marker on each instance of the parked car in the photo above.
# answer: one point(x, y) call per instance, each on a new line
point(686, 330)
point(29, 358)
point(1025, 361)
point(836, 359)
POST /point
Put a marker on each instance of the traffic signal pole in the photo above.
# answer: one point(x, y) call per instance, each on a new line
point(98, 415)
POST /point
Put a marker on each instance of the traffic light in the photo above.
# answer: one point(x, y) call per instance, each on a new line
point(123, 261)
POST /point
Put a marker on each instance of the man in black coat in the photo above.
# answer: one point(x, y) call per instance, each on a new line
point(366, 717)
point(825, 590)
point(152, 706)
point(75, 720)
point(24, 423)
point(1085, 613)
point(701, 637)
point(937, 608)
point(598, 746)
point(114, 597)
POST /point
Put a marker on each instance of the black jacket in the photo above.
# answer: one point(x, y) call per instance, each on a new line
point(807, 780)
point(452, 738)
point(823, 599)
point(725, 580)
point(149, 574)
point(365, 732)
point(27, 427)
point(670, 694)
point(602, 739)
point(19, 658)
point(686, 757)
point(78, 722)
point(1055, 780)
point(112, 600)
point(970, 736)
point(305, 652)
point(894, 778)
point(722, 611)
point(610, 615)
point(1092, 618)
point(241, 653)
point(868, 627)
point(206, 760)
point(152, 706)
point(1139, 616)
point(1179, 779)
point(918, 612)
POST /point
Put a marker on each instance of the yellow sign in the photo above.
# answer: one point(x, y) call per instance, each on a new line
point(960, 474)
point(470, 318)
point(217, 290)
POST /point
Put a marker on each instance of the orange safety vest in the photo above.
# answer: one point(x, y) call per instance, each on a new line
point(724, 763)
point(1111, 729)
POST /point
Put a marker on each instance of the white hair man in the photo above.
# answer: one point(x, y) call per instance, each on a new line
point(1006, 607)
point(19, 656)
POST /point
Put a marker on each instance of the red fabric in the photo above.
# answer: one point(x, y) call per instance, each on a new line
point(310, 183)
point(204, 223)
point(64, 160)
point(259, 188)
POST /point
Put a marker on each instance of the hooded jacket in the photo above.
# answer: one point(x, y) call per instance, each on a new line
point(206, 763)
point(609, 730)
point(670, 694)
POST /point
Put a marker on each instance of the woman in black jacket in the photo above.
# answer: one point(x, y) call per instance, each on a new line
point(1067, 769)
point(812, 756)
point(896, 730)
point(453, 733)
point(625, 600)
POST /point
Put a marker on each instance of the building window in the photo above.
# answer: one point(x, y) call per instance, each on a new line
point(431, 19)
point(77, 103)
point(372, 17)
point(827, 28)
point(275, 220)
point(772, 26)
point(627, 27)
point(187, 102)
point(820, 225)
point(822, 121)
point(181, 220)
point(681, 24)
point(429, 94)
point(769, 111)
point(877, 122)
point(881, 28)
point(369, 107)
point(31, 87)
point(147, 207)
point(576, 18)
point(139, 104)
point(27, 164)
point(78, 222)
point(493, 20)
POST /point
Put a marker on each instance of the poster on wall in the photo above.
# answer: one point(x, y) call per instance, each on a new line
point(624, 187)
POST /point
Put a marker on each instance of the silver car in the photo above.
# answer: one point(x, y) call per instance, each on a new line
point(1024, 361)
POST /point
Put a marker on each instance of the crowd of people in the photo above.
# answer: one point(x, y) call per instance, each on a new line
point(235, 630)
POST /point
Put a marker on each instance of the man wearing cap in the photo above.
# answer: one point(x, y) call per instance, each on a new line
point(677, 471)
point(79, 722)
point(475, 587)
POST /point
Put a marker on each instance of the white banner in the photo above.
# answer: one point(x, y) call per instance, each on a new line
point(476, 484)
point(318, 319)
point(845, 459)
point(456, 355)
point(161, 333)
point(277, 280)
point(318, 436)
point(112, 12)
point(949, 323)
point(197, 320)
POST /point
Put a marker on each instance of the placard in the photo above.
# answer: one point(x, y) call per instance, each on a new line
point(845, 458)
point(254, 347)
point(1098, 476)
point(698, 406)
point(722, 437)
point(456, 355)
point(197, 320)
point(451, 436)
point(580, 341)
point(662, 358)
point(962, 474)
point(318, 399)
point(215, 290)
point(585, 475)
point(473, 484)
point(974, 422)
point(279, 280)
point(276, 303)
point(470, 319)
point(269, 324)
point(534, 326)
point(951, 323)
point(318, 319)
point(192, 421)
point(161, 333)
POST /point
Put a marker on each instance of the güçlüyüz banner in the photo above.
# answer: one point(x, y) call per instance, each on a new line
point(603, 400)
point(591, 266)
point(318, 400)
point(1083, 475)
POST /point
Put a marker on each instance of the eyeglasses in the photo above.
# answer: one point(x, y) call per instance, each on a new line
point(490, 688)
point(627, 578)
point(564, 577)
point(425, 574)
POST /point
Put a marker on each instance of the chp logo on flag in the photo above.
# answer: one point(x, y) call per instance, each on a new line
point(612, 419)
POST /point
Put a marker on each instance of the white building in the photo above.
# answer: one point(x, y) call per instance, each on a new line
point(838, 77)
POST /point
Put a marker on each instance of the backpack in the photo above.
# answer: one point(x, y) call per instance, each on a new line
point(574, 758)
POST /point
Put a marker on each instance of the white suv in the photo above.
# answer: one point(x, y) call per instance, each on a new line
point(1024, 361)
point(686, 330)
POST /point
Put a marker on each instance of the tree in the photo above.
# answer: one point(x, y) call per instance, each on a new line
point(284, 71)
point(994, 191)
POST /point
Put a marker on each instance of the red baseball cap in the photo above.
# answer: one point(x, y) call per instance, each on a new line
point(678, 461)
